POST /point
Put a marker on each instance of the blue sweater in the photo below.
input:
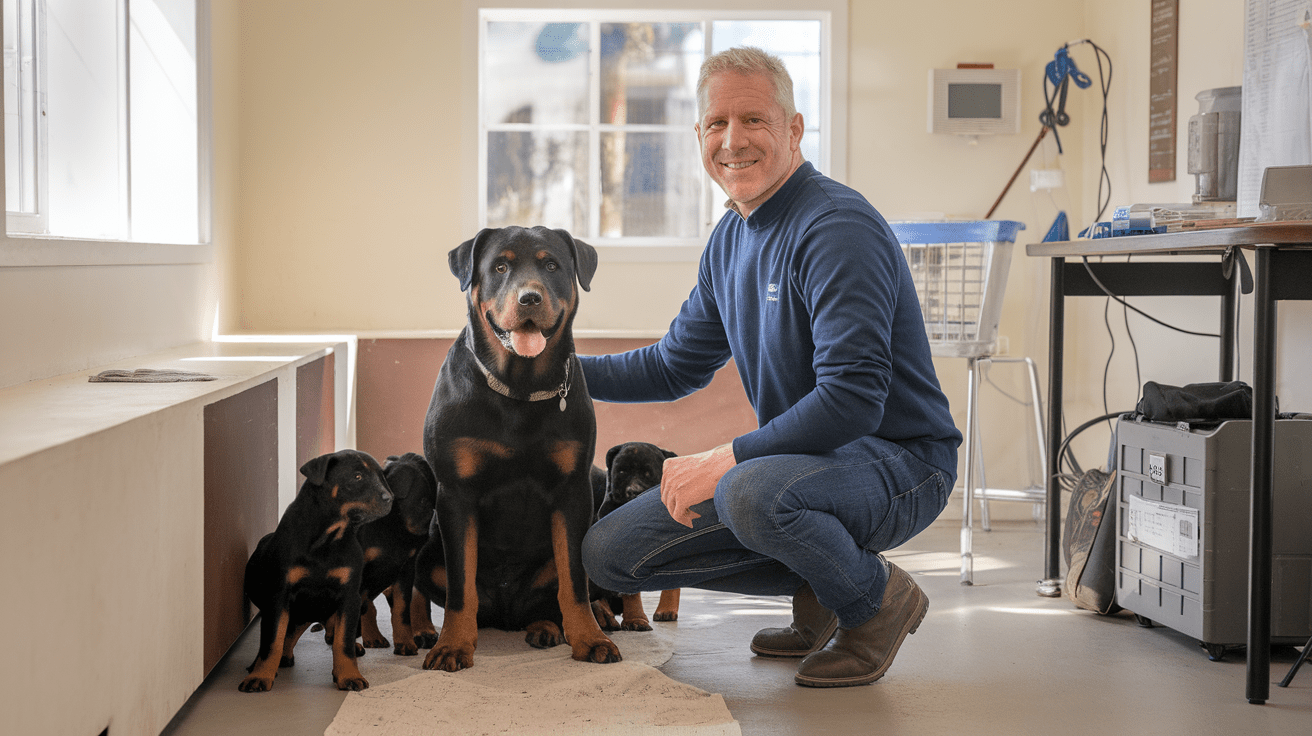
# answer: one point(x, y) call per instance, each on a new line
point(812, 297)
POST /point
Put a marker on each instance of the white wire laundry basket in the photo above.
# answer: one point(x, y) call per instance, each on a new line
point(960, 272)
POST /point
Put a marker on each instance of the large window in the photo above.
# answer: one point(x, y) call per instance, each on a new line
point(102, 120)
point(586, 117)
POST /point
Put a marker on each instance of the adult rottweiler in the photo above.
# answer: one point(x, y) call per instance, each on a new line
point(510, 434)
point(309, 568)
point(631, 469)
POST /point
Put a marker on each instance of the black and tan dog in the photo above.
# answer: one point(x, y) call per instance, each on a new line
point(631, 469)
point(390, 545)
point(510, 435)
point(309, 569)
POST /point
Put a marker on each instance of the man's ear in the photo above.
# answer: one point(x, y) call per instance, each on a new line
point(464, 258)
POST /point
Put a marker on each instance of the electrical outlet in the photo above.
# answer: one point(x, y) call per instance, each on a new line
point(1046, 179)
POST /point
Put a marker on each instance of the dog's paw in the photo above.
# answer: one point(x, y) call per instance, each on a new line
point(426, 639)
point(359, 649)
point(287, 660)
point(355, 683)
point(593, 648)
point(543, 635)
point(380, 642)
point(604, 652)
point(666, 616)
point(255, 684)
point(448, 659)
point(637, 624)
point(405, 650)
point(605, 618)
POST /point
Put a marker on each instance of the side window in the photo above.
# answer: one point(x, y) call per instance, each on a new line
point(586, 119)
point(101, 120)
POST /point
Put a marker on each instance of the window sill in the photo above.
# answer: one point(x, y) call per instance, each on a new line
point(649, 253)
point(18, 251)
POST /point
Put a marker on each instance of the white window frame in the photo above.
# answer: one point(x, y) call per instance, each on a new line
point(23, 249)
point(31, 13)
point(832, 15)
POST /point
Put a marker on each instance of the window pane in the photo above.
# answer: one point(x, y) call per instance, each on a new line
point(658, 191)
point(83, 71)
point(538, 178)
point(20, 107)
point(648, 71)
point(535, 73)
point(165, 174)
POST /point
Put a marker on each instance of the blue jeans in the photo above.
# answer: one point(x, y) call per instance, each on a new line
point(776, 522)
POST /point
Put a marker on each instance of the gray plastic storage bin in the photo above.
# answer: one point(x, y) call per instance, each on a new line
point(1183, 519)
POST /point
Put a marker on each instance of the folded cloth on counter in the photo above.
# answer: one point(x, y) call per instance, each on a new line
point(149, 375)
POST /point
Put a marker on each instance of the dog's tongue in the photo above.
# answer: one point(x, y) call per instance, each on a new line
point(528, 343)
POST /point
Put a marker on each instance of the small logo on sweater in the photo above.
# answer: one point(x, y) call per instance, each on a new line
point(772, 292)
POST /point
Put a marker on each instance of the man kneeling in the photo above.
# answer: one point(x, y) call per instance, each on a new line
point(804, 285)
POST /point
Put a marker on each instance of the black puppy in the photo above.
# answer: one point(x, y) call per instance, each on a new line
point(309, 568)
point(390, 545)
point(510, 435)
point(631, 469)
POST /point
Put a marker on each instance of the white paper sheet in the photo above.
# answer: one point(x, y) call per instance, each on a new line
point(1276, 127)
point(1167, 527)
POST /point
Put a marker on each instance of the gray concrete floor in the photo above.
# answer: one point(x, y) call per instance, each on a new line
point(993, 658)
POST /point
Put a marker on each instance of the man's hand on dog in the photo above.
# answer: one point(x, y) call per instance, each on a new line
point(690, 479)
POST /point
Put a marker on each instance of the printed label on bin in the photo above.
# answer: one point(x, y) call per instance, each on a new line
point(1167, 527)
point(1157, 469)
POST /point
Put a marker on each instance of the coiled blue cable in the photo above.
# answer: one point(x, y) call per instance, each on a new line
point(1061, 66)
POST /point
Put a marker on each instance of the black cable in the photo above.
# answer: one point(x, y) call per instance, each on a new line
point(1138, 311)
point(1063, 449)
point(1134, 348)
point(1106, 367)
point(989, 380)
point(1105, 86)
point(1104, 198)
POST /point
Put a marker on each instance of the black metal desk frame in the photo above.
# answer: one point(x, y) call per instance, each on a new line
point(1282, 271)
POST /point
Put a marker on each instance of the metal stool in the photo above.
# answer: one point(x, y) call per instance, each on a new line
point(960, 272)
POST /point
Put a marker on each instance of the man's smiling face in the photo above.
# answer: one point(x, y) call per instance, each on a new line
point(748, 145)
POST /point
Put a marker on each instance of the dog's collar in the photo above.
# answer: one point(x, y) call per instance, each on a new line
point(500, 387)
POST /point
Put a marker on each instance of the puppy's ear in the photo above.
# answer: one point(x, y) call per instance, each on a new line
point(464, 258)
point(398, 481)
point(316, 470)
point(668, 454)
point(585, 259)
point(610, 455)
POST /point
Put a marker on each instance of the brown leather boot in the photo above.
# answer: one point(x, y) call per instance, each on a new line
point(862, 655)
point(813, 625)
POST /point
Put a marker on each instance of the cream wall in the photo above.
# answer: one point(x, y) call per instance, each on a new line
point(350, 195)
point(356, 174)
point(339, 183)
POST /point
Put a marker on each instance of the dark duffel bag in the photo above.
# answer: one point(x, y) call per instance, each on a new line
point(1196, 403)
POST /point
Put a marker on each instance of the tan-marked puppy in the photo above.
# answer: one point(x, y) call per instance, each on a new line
point(309, 569)
point(633, 468)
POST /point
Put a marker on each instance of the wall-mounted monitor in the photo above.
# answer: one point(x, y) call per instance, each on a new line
point(974, 101)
